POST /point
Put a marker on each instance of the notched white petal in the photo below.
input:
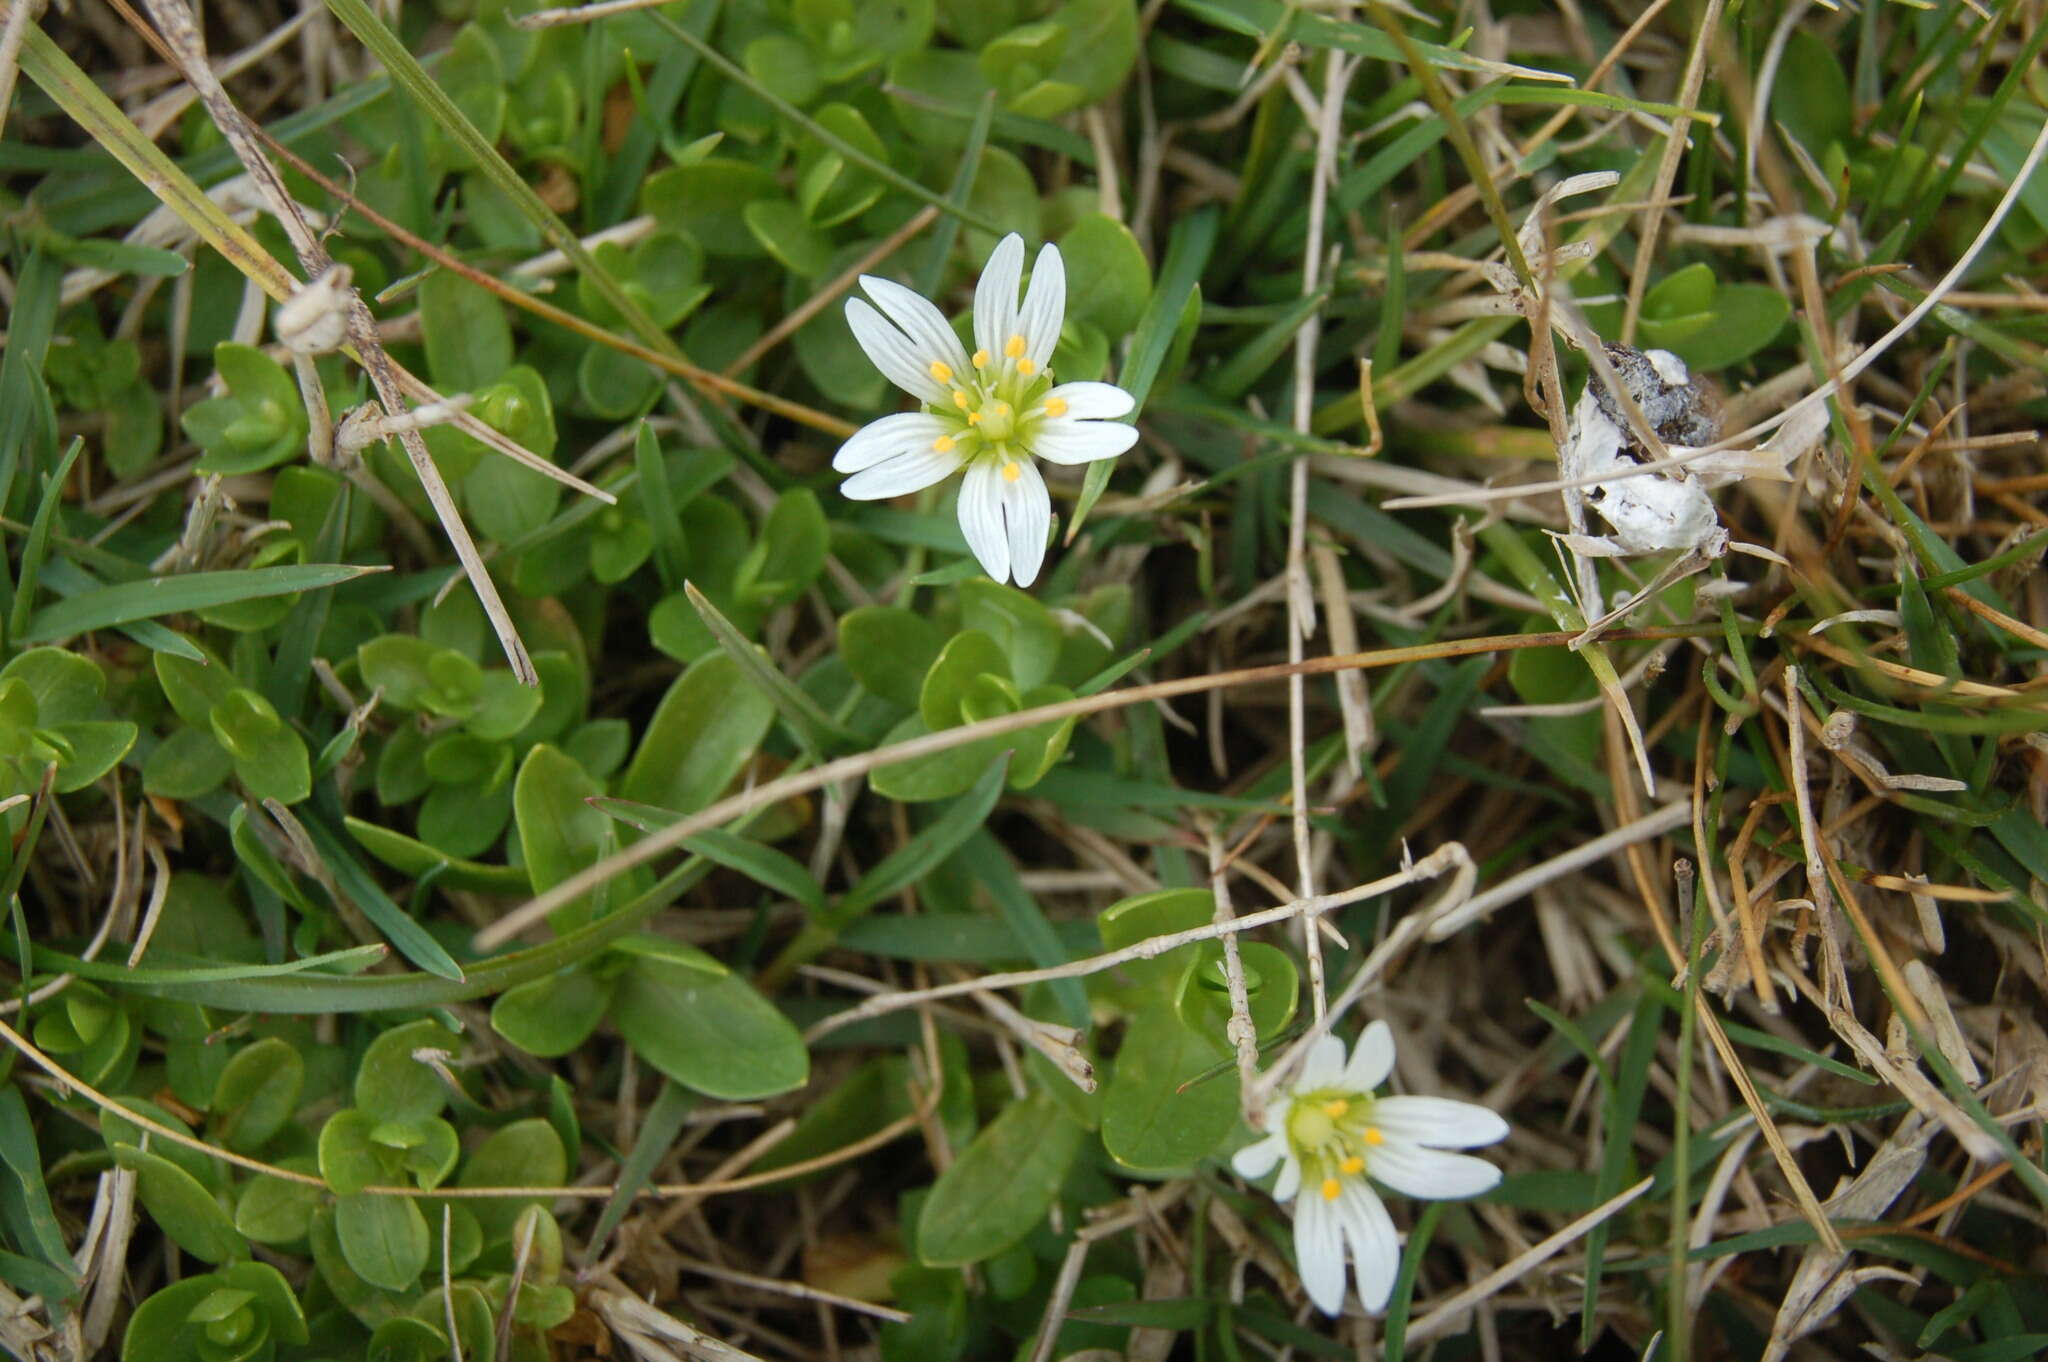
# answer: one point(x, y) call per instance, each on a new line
point(927, 327)
point(1027, 513)
point(1439, 1122)
point(1375, 1247)
point(1430, 1174)
point(1323, 1066)
point(1372, 1059)
point(981, 518)
point(1257, 1159)
point(1065, 440)
point(1319, 1253)
point(1045, 305)
point(893, 353)
point(904, 433)
point(899, 476)
point(995, 297)
point(1289, 1181)
point(1093, 401)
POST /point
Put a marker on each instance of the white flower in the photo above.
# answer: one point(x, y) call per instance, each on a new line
point(1331, 1134)
point(991, 413)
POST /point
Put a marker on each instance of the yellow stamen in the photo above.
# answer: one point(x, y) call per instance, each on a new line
point(981, 359)
point(1014, 346)
point(1372, 1135)
point(1002, 408)
point(1331, 1189)
point(1352, 1166)
point(960, 399)
point(942, 371)
point(1027, 367)
point(1011, 471)
point(973, 418)
point(1055, 406)
point(944, 444)
point(1335, 1108)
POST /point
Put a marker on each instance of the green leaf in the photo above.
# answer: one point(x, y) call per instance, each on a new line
point(66, 686)
point(1155, 1118)
point(273, 1210)
point(391, 1085)
point(412, 857)
point(1108, 277)
point(560, 834)
point(186, 765)
point(764, 865)
point(181, 1207)
point(925, 851)
point(467, 336)
point(269, 757)
point(398, 926)
point(716, 1035)
point(384, 1238)
point(818, 731)
point(707, 202)
point(1001, 1185)
point(967, 657)
point(151, 597)
point(349, 1159)
point(704, 731)
point(526, 1153)
point(32, 1220)
point(257, 1093)
point(889, 649)
point(551, 1017)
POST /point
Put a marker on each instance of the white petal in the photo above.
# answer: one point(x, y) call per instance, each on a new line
point(995, 297)
point(1289, 1181)
point(926, 326)
point(912, 472)
point(1061, 439)
point(893, 353)
point(1093, 401)
point(1372, 1060)
point(1375, 1248)
point(1438, 1122)
point(1324, 1065)
point(1319, 1252)
point(1257, 1159)
point(904, 433)
point(1027, 511)
point(981, 518)
point(1414, 1171)
point(1045, 305)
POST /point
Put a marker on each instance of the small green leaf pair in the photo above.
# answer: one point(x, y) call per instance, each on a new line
point(231, 729)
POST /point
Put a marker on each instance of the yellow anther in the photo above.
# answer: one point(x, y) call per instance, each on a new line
point(942, 371)
point(1026, 366)
point(1372, 1135)
point(1014, 346)
point(981, 359)
point(1352, 1166)
point(960, 399)
point(1012, 471)
point(1002, 408)
point(1335, 1108)
point(1055, 406)
point(973, 418)
point(1331, 1189)
point(944, 444)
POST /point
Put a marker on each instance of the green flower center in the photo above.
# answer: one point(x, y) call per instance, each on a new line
point(1332, 1133)
point(997, 405)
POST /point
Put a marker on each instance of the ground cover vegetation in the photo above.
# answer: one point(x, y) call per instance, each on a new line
point(986, 679)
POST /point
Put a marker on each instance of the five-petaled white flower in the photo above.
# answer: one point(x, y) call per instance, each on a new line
point(991, 413)
point(1330, 1134)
